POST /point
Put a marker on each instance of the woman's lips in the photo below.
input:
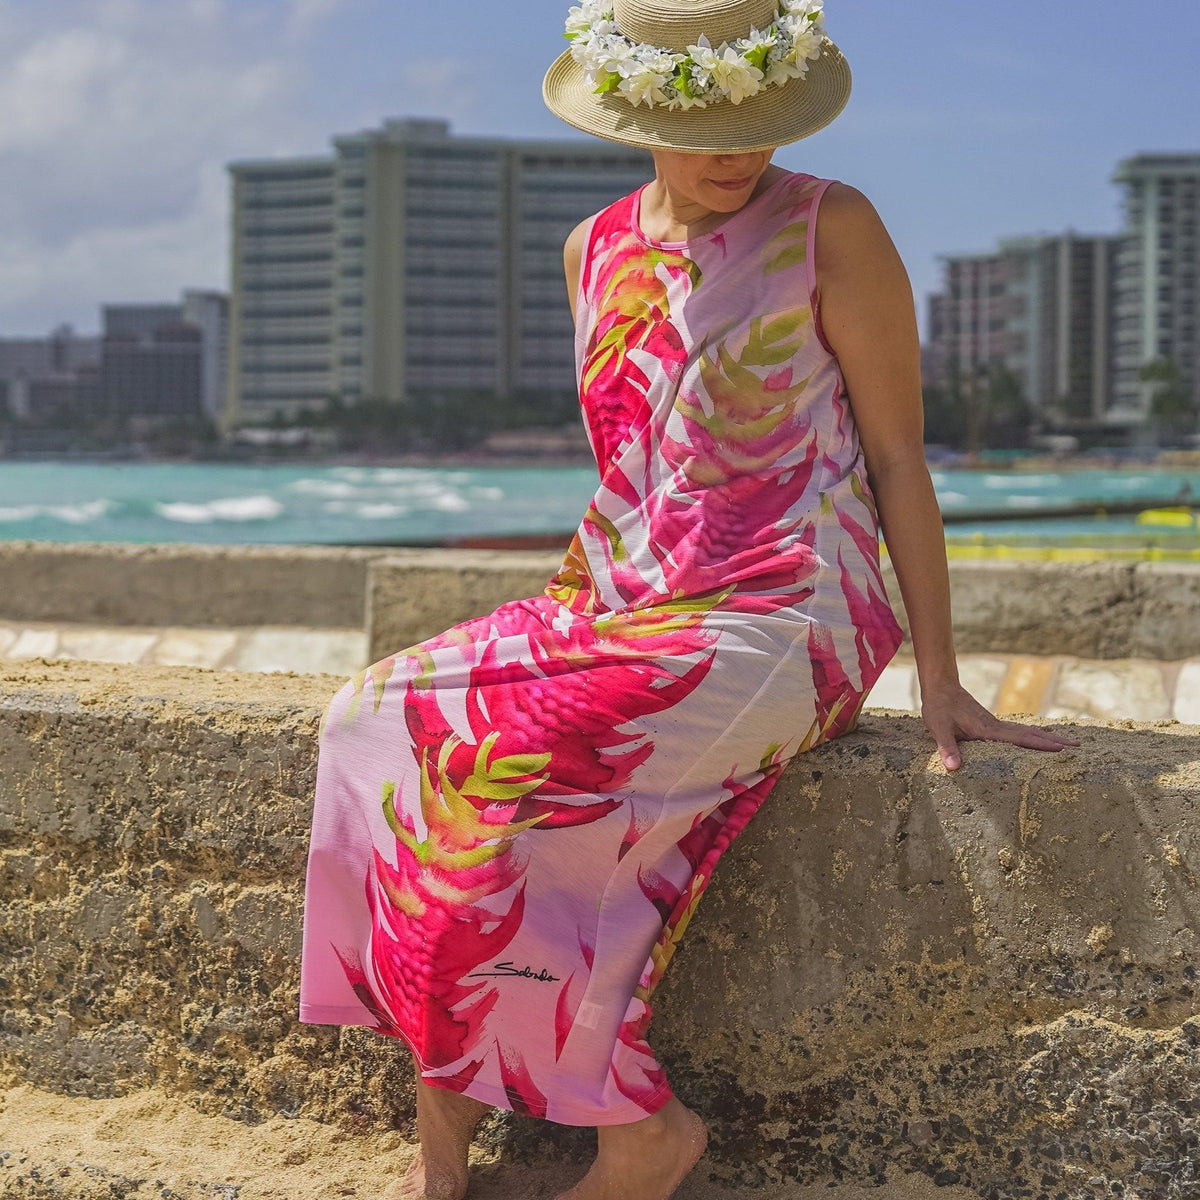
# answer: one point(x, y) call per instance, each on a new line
point(733, 185)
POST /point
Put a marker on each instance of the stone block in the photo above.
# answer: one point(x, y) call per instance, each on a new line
point(105, 645)
point(35, 643)
point(194, 647)
point(306, 651)
point(988, 974)
point(1167, 625)
point(1083, 609)
point(1187, 694)
point(983, 677)
point(416, 594)
point(1110, 690)
point(169, 584)
point(895, 688)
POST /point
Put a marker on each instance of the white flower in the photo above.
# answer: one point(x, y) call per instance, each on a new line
point(603, 56)
point(810, 9)
point(703, 55)
point(735, 76)
point(681, 100)
point(757, 40)
point(587, 16)
point(807, 45)
point(780, 70)
point(650, 75)
point(644, 85)
point(578, 22)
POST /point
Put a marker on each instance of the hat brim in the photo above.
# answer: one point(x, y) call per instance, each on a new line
point(780, 114)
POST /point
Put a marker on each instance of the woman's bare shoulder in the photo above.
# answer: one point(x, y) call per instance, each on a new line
point(851, 236)
point(573, 247)
point(573, 250)
point(846, 212)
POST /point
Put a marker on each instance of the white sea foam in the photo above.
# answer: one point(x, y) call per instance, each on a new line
point(952, 497)
point(1024, 501)
point(234, 508)
point(333, 488)
point(448, 501)
point(375, 512)
point(1024, 482)
point(79, 514)
point(73, 514)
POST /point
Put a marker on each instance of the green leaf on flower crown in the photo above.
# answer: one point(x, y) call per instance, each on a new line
point(683, 78)
point(571, 36)
point(609, 83)
point(757, 56)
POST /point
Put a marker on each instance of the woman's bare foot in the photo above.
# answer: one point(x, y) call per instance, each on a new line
point(646, 1160)
point(445, 1124)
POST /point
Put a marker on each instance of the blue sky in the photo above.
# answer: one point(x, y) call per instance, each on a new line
point(969, 121)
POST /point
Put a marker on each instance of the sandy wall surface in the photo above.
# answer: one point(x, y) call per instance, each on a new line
point(1090, 610)
point(168, 584)
point(985, 979)
point(150, 1145)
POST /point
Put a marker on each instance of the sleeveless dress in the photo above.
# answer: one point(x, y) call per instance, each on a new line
point(516, 819)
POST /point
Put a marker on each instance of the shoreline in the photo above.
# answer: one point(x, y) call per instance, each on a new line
point(1026, 463)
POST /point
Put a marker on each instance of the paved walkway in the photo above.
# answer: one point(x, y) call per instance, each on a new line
point(1134, 689)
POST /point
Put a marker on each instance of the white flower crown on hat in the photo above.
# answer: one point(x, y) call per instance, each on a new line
point(733, 71)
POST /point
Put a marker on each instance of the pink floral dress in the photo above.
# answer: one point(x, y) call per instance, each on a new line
point(516, 819)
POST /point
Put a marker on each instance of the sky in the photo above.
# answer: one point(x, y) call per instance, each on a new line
point(969, 121)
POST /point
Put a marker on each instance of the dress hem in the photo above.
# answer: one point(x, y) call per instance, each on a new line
point(497, 1097)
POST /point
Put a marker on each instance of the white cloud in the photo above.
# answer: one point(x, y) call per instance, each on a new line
point(117, 118)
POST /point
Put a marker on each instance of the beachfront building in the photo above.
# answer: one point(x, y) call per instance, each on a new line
point(164, 360)
point(1157, 283)
point(39, 376)
point(1039, 307)
point(411, 266)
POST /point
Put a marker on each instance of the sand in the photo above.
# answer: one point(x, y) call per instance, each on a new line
point(152, 1145)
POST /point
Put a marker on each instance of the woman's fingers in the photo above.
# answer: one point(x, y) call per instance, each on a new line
point(1033, 737)
point(948, 751)
point(948, 729)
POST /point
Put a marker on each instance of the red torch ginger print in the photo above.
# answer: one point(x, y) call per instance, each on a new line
point(517, 818)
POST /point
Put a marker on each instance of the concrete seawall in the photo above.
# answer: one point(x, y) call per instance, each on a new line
point(987, 978)
point(168, 584)
point(1090, 610)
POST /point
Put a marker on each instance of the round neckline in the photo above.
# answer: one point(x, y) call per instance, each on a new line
point(636, 217)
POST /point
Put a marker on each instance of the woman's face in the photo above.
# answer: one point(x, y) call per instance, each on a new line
point(720, 182)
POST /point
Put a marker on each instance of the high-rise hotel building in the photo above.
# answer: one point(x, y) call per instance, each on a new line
point(1157, 285)
point(1038, 306)
point(411, 264)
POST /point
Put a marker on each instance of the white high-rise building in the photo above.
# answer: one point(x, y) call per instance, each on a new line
point(1157, 286)
point(281, 312)
point(410, 266)
point(209, 312)
point(1038, 306)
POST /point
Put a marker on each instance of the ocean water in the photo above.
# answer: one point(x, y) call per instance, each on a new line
point(398, 505)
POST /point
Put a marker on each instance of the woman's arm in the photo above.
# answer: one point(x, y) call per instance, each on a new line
point(867, 314)
point(573, 259)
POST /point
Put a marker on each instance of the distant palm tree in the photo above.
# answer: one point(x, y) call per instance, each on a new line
point(1171, 408)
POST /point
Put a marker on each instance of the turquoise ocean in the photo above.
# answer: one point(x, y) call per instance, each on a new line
point(407, 505)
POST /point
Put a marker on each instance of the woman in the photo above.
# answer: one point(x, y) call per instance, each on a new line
point(515, 819)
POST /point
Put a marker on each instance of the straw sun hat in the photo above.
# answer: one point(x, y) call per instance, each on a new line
point(777, 114)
